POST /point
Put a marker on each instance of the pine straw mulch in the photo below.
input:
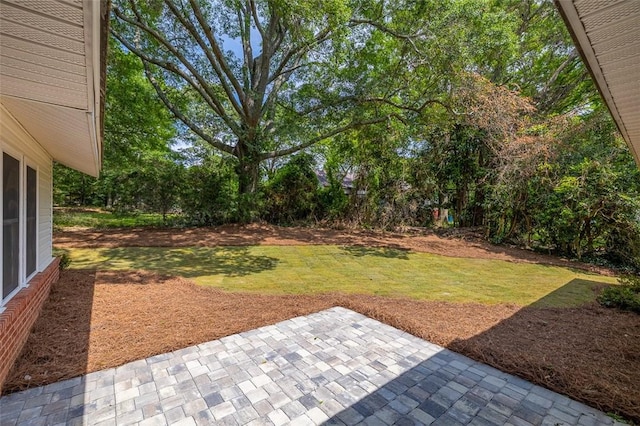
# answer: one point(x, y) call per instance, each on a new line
point(98, 319)
point(446, 243)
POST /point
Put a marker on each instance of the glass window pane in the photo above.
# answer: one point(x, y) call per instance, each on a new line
point(32, 212)
point(10, 223)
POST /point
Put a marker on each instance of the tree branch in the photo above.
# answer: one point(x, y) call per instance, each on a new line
point(254, 13)
point(172, 68)
point(196, 129)
point(373, 100)
point(417, 110)
point(572, 56)
point(139, 24)
point(217, 51)
point(216, 67)
point(298, 51)
point(273, 95)
point(244, 25)
point(327, 135)
point(407, 37)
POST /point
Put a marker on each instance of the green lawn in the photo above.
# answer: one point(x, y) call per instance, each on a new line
point(375, 271)
point(105, 219)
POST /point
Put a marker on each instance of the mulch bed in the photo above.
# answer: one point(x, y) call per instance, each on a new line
point(99, 319)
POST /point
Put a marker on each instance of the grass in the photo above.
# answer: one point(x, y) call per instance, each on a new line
point(99, 219)
point(355, 270)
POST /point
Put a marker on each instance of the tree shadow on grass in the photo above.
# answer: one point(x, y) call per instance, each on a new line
point(191, 262)
point(568, 343)
point(574, 293)
point(586, 352)
point(388, 252)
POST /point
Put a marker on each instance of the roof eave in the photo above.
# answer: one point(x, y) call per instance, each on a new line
point(583, 44)
point(96, 42)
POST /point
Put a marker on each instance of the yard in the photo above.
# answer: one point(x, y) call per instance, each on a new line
point(321, 269)
point(133, 293)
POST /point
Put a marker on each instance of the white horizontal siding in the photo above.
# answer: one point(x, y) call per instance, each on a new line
point(17, 142)
point(45, 217)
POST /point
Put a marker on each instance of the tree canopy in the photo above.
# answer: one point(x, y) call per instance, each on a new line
point(265, 79)
point(429, 113)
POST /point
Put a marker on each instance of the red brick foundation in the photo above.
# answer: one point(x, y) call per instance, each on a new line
point(20, 314)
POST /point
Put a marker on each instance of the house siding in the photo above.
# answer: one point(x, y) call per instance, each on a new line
point(45, 215)
point(19, 312)
point(16, 141)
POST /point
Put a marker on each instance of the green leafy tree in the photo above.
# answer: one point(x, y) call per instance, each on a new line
point(524, 44)
point(73, 188)
point(137, 129)
point(292, 193)
point(571, 186)
point(592, 199)
point(210, 192)
point(264, 79)
point(164, 183)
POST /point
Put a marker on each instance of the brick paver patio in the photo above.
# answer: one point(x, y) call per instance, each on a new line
point(332, 367)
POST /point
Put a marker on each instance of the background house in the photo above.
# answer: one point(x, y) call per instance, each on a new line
point(347, 181)
point(52, 67)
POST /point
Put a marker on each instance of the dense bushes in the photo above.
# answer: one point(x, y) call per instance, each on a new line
point(575, 192)
point(561, 199)
point(292, 193)
point(624, 296)
point(571, 188)
point(209, 195)
point(203, 194)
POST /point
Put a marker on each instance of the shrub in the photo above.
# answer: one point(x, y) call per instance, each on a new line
point(332, 201)
point(292, 193)
point(65, 261)
point(624, 296)
point(210, 193)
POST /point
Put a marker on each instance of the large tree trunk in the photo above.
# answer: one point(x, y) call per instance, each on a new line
point(247, 171)
point(248, 166)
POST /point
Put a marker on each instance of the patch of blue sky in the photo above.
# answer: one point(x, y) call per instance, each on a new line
point(234, 45)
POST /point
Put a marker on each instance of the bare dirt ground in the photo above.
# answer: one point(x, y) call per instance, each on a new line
point(457, 245)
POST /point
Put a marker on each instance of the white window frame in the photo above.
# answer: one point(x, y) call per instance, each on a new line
point(20, 157)
point(24, 161)
point(33, 165)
